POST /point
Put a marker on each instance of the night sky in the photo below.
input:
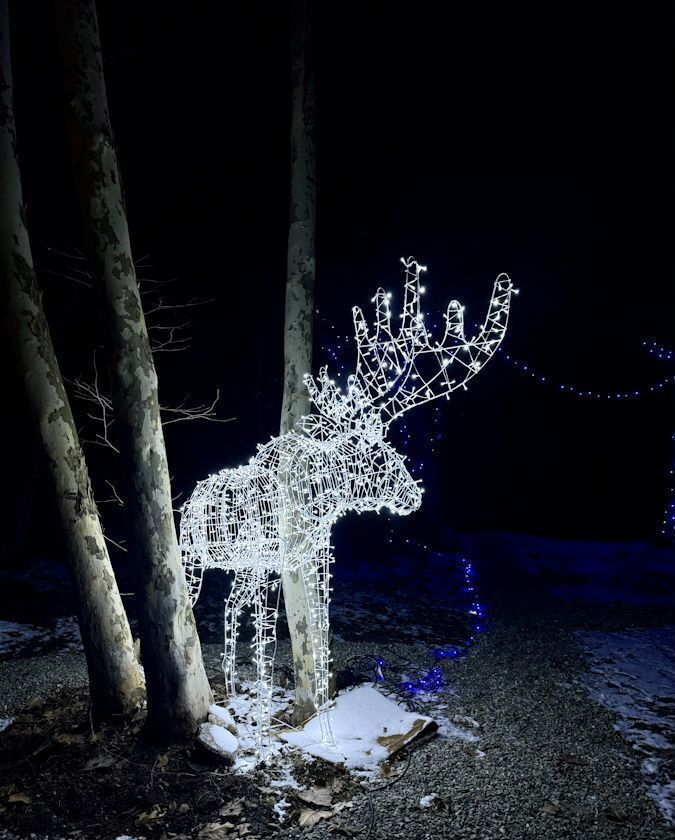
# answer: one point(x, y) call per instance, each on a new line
point(534, 139)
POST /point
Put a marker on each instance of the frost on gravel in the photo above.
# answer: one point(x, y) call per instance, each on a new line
point(632, 673)
point(20, 638)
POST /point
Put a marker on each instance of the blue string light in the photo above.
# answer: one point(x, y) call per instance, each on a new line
point(433, 679)
point(658, 351)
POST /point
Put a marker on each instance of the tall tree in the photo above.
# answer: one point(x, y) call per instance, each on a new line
point(116, 683)
point(178, 690)
point(301, 268)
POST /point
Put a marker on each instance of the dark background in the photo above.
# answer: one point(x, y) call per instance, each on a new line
point(529, 138)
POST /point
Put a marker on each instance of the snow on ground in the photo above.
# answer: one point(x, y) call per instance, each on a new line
point(632, 673)
point(20, 638)
point(359, 719)
point(361, 715)
point(13, 635)
point(243, 709)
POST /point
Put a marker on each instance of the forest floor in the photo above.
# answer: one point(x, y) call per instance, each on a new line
point(557, 722)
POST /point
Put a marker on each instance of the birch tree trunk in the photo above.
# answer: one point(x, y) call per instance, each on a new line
point(301, 266)
point(178, 690)
point(116, 683)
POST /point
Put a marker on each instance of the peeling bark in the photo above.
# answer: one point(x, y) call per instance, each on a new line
point(116, 684)
point(178, 690)
point(301, 267)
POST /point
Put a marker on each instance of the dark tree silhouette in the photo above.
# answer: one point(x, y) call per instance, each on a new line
point(177, 687)
point(116, 684)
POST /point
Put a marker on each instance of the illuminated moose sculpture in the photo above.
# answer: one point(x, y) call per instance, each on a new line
point(277, 512)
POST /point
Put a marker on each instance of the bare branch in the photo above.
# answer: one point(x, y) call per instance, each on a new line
point(182, 326)
point(183, 412)
point(170, 344)
point(90, 392)
point(75, 254)
point(162, 306)
point(116, 498)
point(115, 543)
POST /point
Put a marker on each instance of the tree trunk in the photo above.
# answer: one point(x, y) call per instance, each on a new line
point(178, 690)
point(299, 315)
point(116, 683)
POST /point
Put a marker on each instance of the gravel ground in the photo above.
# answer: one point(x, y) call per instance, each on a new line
point(548, 762)
point(553, 765)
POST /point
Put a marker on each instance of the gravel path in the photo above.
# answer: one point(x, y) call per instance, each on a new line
point(548, 762)
point(553, 765)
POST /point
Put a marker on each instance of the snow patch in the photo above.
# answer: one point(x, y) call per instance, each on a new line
point(280, 809)
point(632, 673)
point(5, 723)
point(221, 717)
point(286, 780)
point(242, 710)
point(15, 637)
point(224, 739)
point(218, 738)
point(358, 718)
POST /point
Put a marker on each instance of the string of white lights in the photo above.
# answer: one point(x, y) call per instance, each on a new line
point(527, 370)
point(276, 513)
point(660, 351)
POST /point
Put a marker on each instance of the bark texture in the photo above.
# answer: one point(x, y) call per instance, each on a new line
point(177, 687)
point(299, 315)
point(116, 682)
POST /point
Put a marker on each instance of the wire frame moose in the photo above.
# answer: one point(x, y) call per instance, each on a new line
point(276, 513)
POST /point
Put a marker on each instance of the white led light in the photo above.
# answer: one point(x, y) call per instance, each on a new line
point(276, 514)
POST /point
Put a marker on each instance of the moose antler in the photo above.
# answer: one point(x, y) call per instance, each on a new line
point(395, 372)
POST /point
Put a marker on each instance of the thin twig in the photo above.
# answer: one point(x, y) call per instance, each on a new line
point(116, 499)
point(115, 543)
point(184, 412)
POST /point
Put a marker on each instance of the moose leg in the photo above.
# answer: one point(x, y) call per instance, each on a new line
point(265, 608)
point(316, 578)
point(241, 594)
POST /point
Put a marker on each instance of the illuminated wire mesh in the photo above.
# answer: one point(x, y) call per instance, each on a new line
point(277, 512)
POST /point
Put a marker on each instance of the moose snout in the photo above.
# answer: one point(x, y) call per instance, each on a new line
point(411, 499)
point(407, 493)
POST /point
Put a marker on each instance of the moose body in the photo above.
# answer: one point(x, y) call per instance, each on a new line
point(276, 513)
